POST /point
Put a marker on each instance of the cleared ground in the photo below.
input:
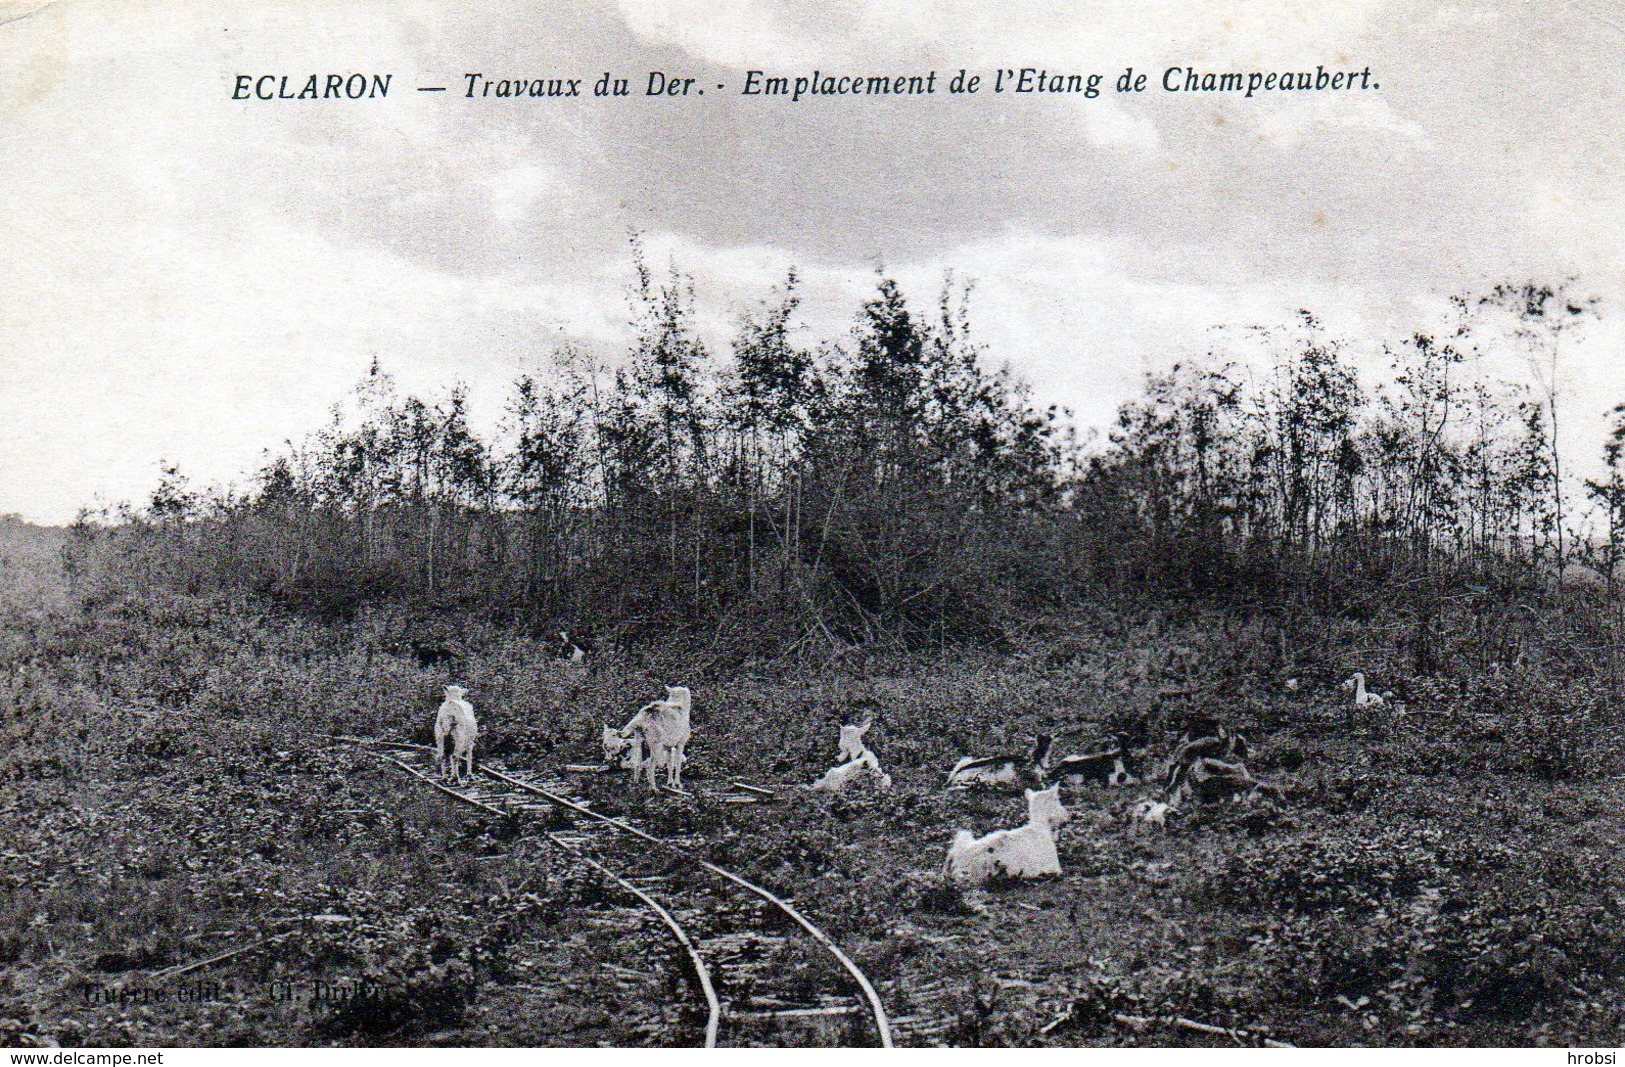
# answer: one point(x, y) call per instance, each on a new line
point(166, 799)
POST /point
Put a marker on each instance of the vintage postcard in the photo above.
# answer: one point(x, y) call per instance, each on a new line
point(811, 523)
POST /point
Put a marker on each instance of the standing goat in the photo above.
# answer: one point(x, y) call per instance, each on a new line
point(455, 723)
point(1025, 852)
point(661, 730)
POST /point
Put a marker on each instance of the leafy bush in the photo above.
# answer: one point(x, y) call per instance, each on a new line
point(1346, 874)
point(1556, 728)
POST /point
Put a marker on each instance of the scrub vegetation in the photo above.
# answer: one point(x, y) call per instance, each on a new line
point(882, 527)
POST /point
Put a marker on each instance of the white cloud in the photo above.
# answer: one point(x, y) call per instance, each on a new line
point(1102, 33)
point(730, 33)
point(518, 192)
point(1288, 123)
point(1112, 124)
point(192, 278)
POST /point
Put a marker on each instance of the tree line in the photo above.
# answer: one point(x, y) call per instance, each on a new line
point(1302, 472)
point(896, 487)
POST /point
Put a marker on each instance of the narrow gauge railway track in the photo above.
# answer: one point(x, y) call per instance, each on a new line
point(759, 963)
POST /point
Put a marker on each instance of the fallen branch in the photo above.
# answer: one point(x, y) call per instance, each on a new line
point(752, 788)
point(376, 743)
point(1240, 1037)
point(789, 1013)
point(1065, 1016)
point(626, 972)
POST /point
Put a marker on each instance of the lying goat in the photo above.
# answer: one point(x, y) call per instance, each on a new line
point(1006, 770)
point(836, 779)
point(1211, 779)
point(455, 723)
point(1221, 745)
point(1149, 812)
point(1106, 767)
point(662, 731)
point(1362, 699)
point(571, 651)
point(852, 743)
point(1025, 852)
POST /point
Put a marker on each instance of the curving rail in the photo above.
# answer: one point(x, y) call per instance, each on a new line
point(522, 786)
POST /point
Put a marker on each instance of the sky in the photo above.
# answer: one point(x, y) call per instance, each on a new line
point(189, 278)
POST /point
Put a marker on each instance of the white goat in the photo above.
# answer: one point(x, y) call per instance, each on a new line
point(852, 743)
point(1005, 770)
point(1362, 699)
point(1025, 852)
point(455, 721)
point(662, 727)
point(836, 779)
